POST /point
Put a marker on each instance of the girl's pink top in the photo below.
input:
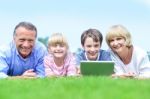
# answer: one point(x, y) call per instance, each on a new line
point(67, 69)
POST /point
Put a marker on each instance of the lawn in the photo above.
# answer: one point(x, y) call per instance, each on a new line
point(74, 88)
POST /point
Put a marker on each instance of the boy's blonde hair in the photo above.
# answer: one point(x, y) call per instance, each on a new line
point(57, 38)
point(119, 31)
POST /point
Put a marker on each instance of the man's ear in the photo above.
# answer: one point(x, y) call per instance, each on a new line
point(14, 38)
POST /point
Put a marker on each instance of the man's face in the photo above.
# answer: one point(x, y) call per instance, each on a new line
point(24, 40)
point(91, 48)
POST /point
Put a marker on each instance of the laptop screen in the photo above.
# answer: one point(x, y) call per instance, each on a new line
point(97, 68)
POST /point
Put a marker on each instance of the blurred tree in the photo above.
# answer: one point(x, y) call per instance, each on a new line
point(148, 52)
point(43, 40)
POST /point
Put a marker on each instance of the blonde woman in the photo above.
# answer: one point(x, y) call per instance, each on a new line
point(130, 60)
point(59, 62)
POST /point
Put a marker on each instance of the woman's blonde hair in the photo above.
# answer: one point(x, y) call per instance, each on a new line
point(119, 31)
point(57, 38)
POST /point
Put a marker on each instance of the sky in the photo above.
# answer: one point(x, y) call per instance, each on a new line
point(72, 17)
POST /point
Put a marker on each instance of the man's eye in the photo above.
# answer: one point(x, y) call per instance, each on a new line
point(30, 40)
point(21, 40)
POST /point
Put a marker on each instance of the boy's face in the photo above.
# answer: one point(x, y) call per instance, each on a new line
point(58, 50)
point(91, 48)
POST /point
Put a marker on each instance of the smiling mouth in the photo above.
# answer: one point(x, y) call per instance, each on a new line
point(25, 50)
point(58, 52)
point(116, 48)
point(92, 54)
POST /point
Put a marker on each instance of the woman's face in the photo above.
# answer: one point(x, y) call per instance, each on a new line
point(91, 48)
point(117, 44)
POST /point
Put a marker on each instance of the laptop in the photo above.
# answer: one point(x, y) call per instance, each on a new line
point(97, 68)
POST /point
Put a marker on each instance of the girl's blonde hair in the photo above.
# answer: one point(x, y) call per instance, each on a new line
point(119, 31)
point(57, 38)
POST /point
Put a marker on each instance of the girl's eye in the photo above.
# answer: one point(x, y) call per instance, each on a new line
point(111, 40)
point(61, 45)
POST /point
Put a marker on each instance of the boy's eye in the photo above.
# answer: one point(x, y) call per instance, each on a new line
point(88, 45)
point(96, 45)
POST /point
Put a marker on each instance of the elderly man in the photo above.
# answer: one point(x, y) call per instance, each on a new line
point(23, 57)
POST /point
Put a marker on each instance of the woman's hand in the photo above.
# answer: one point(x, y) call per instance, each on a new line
point(125, 75)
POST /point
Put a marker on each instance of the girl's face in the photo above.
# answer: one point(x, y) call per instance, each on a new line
point(91, 48)
point(117, 44)
point(58, 50)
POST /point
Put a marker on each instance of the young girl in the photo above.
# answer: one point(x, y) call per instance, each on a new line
point(59, 62)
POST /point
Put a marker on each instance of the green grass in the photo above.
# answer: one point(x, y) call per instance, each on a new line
point(74, 88)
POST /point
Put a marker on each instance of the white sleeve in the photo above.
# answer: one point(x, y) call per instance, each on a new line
point(145, 69)
point(144, 65)
point(118, 67)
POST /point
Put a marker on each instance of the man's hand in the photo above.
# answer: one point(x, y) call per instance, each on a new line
point(29, 73)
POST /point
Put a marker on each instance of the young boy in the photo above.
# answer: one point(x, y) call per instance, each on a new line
point(91, 41)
